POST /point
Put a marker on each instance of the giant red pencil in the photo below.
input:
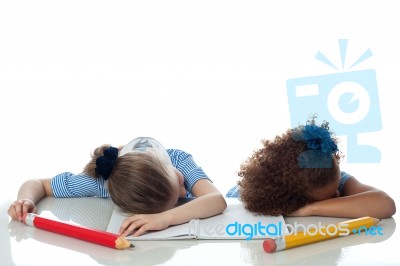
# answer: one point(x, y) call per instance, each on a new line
point(84, 233)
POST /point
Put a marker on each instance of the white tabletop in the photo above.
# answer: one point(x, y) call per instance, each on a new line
point(25, 245)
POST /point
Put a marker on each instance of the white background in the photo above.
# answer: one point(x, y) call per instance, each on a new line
point(208, 77)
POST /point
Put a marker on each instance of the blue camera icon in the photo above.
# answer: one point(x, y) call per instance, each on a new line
point(349, 101)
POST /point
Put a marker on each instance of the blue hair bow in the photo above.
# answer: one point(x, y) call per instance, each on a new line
point(105, 163)
point(319, 138)
point(320, 143)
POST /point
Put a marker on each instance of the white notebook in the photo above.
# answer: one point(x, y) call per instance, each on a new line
point(235, 223)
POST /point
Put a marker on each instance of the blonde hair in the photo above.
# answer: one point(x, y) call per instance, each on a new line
point(138, 183)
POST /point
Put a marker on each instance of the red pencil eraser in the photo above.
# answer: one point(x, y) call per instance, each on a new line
point(269, 245)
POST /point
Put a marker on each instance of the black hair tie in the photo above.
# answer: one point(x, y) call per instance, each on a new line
point(105, 163)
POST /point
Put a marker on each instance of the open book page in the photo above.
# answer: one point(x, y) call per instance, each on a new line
point(182, 231)
point(235, 223)
point(238, 223)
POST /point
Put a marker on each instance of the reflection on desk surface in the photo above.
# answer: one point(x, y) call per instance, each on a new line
point(91, 212)
point(22, 241)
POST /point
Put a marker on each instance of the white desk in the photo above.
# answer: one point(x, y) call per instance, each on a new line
point(24, 245)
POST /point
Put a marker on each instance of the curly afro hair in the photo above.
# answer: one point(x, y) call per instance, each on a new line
point(273, 183)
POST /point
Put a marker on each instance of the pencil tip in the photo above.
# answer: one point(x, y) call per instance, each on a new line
point(132, 245)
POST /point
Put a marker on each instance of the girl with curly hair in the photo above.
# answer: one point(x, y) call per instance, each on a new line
point(298, 174)
point(142, 178)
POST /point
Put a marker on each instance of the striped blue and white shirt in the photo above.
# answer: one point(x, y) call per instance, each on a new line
point(235, 191)
point(68, 185)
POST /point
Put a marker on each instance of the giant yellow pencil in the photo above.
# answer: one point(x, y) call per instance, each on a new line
point(319, 234)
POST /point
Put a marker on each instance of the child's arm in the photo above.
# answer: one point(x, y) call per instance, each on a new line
point(208, 202)
point(30, 192)
point(358, 200)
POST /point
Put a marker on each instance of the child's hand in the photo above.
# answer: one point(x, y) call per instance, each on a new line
point(304, 211)
point(141, 223)
point(21, 207)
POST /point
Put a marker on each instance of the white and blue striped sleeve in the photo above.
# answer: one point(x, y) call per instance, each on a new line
point(69, 185)
point(234, 192)
point(186, 165)
point(344, 177)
